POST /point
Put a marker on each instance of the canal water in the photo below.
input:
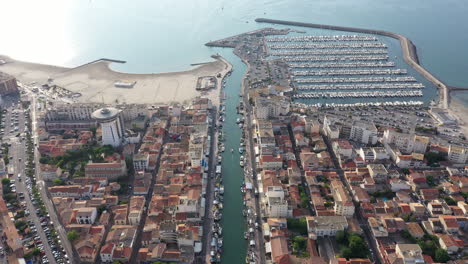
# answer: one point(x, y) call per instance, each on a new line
point(233, 222)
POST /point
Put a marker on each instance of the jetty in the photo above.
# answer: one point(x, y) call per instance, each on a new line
point(408, 49)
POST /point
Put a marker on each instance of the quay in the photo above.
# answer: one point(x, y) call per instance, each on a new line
point(408, 49)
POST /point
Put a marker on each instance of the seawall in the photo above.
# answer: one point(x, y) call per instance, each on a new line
point(407, 47)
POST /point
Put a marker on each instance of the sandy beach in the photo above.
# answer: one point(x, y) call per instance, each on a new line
point(460, 112)
point(95, 81)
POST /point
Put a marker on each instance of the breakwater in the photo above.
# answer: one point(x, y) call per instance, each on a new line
point(408, 49)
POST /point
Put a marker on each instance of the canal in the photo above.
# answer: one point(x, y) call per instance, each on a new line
point(233, 222)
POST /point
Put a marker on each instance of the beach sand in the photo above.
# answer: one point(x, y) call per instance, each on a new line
point(95, 81)
point(460, 112)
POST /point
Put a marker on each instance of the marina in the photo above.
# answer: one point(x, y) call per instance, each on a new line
point(322, 38)
point(343, 65)
point(361, 86)
point(328, 52)
point(329, 46)
point(329, 67)
point(357, 80)
point(336, 58)
point(410, 103)
point(350, 72)
point(373, 94)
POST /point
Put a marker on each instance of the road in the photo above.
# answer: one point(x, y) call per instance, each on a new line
point(43, 189)
point(209, 196)
point(18, 151)
point(260, 243)
point(362, 222)
point(15, 122)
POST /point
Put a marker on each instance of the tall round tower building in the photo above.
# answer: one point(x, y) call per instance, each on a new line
point(111, 125)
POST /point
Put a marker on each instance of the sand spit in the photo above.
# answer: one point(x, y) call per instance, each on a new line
point(95, 81)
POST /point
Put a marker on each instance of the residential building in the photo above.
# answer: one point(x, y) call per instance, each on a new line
point(136, 207)
point(111, 170)
point(8, 84)
point(140, 161)
point(343, 202)
point(266, 108)
point(378, 172)
point(342, 147)
point(409, 253)
point(86, 215)
point(50, 172)
point(320, 226)
point(276, 204)
point(377, 227)
point(458, 155)
point(406, 143)
point(449, 243)
point(362, 132)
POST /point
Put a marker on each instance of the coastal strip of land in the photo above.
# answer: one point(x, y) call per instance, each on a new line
point(96, 81)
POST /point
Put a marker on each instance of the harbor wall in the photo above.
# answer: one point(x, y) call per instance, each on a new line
point(408, 49)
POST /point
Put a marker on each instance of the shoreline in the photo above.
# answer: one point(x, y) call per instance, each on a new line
point(95, 81)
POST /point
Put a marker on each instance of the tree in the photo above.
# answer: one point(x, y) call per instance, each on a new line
point(405, 171)
point(346, 253)
point(72, 235)
point(298, 225)
point(341, 237)
point(5, 181)
point(441, 255)
point(57, 182)
point(430, 180)
point(20, 225)
point(357, 246)
point(299, 245)
point(36, 252)
point(450, 200)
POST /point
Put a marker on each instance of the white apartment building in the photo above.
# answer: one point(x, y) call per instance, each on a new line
point(86, 215)
point(276, 205)
point(378, 172)
point(196, 150)
point(343, 202)
point(362, 132)
point(320, 226)
point(410, 253)
point(406, 143)
point(270, 108)
point(458, 155)
point(140, 161)
point(330, 129)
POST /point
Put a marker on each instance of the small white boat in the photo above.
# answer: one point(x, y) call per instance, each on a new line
point(241, 163)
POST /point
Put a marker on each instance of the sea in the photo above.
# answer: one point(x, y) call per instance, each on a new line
point(168, 35)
